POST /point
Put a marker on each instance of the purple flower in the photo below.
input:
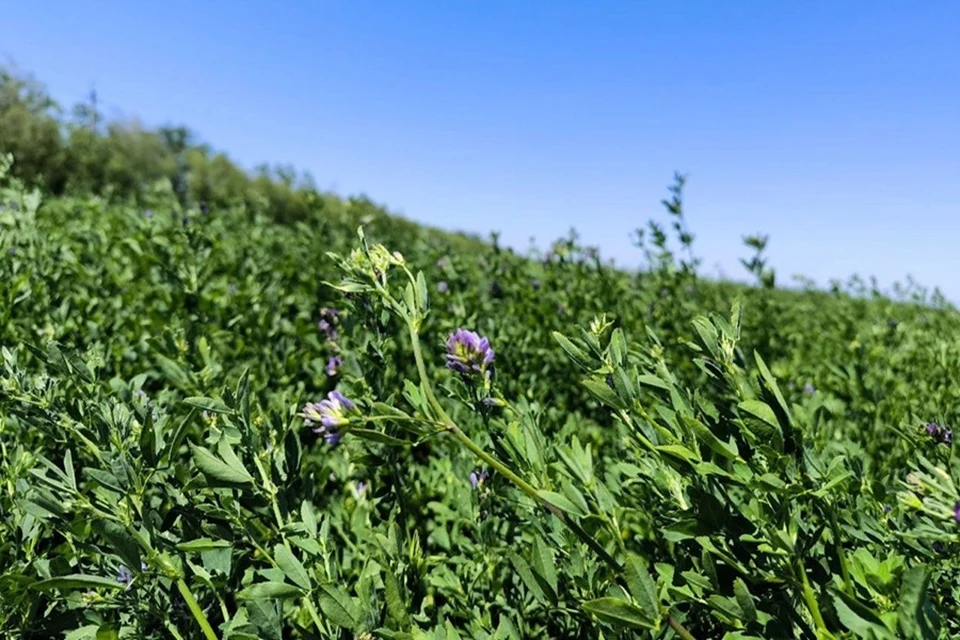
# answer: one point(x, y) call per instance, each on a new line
point(443, 263)
point(468, 353)
point(939, 434)
point(333, 366)
point(328, 320)
point(887, 508)
point(148, 214)
point(956, 512)
point(330, 412)
point(478, 478)
point(442, 287)
point(360, 489)
point(124, 576)
point(808, 389)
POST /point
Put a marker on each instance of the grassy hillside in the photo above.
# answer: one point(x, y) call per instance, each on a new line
point(643, 454)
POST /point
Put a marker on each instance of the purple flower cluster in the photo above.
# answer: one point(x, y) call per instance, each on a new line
point(442, 286)
point(478, 478)
point(333, 366)
point(956, 512)
point(939, 434)
point(332, 413)
point(468, 353)
point(809, 389)
point(124, 576)
point(328, 322)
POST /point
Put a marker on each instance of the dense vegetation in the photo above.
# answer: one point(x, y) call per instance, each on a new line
point(225, 414)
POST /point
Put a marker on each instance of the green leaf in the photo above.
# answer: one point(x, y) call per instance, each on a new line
point(309, 517)
point(708, 335)
point(396, 606)
point(378, 436)
point(745, 600)
point(726, 449)
point(77, 581)
point(173, 372)
point(561, 502)
point(543, 564)
point(679, 452)
point(604, 394)
point(338, 606)
point(526, 575)
point(761, 411)
point(619, 613)
point(618, 347)
point(204, 544)
point(218, 470)
point(214, 405)
point(108, 631)
point(106, 479)
point(291, 567)
point(123, 543)
point(913, 602)
point(771, 384)
point(270, 590)
point(649, 380)
point(642, 587)
point(422, 297)
point(578, 355)
point(859, 618)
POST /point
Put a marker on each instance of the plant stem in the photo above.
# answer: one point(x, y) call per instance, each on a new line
point(498, 466)
point(195, 610)
point(810, 598)
point(835, 528)
point(679, 628)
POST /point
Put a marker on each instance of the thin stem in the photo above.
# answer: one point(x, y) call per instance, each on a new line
point(498, 466)
point(314, 615)
point(173, 630)
point(272, 491)
point(810, 598)
point(835, 528)
point(679, 628)
point(195, 610)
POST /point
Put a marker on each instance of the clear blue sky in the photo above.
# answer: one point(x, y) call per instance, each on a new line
point(832, 126)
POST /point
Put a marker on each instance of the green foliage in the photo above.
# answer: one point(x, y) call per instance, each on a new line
point(647, 454)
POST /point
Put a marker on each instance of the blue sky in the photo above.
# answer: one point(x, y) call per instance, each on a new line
point(832, 127)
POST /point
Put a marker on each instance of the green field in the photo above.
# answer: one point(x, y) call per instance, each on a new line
point(647, 454)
